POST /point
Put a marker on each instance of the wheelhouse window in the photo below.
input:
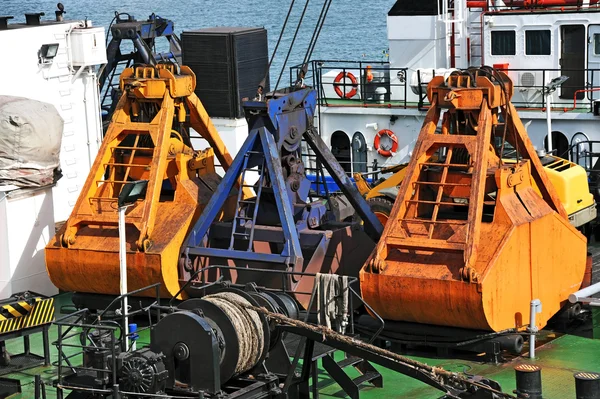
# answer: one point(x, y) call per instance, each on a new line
point(503, 42)
point(596, 43)
point(537, 42)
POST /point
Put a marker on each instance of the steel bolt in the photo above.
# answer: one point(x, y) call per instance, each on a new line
point(181, 351)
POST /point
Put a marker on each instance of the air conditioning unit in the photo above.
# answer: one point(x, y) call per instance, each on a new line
point(88, 46)
point(528, 88)
point(530, 80)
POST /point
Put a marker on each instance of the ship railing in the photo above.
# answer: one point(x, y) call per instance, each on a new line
point(576, 94)
point(322, 184)
point(369, 83)
point(492, 7)
point(404, 88)
point(586, 153)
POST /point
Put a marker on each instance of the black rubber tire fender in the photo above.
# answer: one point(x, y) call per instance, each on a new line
point(381, 206)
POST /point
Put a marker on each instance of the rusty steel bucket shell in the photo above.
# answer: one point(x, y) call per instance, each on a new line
point(521, 257)
point(91, 264)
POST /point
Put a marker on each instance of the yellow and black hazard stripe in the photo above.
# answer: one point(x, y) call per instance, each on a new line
point(16, 309)
point(25, 314)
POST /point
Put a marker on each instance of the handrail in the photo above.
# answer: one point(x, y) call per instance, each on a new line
point(398, 79)
point(575, 97)
point(584, 295)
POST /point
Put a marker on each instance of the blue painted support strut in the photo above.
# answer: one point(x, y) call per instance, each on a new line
point(292, 251)
point(217, 200)
point(238, 255)
point(282, 200)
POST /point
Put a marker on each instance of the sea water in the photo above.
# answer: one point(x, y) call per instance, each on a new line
point(354, 29)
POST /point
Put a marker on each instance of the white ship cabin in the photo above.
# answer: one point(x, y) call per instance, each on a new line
point(54, 62)
point(370, 113)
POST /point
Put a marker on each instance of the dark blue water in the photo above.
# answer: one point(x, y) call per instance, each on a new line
point(354, 30)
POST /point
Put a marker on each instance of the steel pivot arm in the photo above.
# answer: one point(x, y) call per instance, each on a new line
point(521, 141)
point(306, 98)
point(373, 226)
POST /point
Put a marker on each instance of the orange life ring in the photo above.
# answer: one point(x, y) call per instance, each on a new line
point(338, 82)
point(392, 136)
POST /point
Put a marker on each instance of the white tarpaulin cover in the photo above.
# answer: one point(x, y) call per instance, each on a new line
point(30, 137)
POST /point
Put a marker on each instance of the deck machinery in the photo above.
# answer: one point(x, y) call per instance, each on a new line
point(472, 238)
point(283, 227)
point(148, 139)
point(271, 222)
point(142, 36)
point(228, 344)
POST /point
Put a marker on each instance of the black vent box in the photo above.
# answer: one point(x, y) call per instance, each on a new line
point(229, 64)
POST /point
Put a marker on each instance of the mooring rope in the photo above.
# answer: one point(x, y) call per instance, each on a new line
point(247, 324)
point(436, 373)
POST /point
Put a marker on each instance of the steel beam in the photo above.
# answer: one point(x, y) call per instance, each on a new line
point(373, 226)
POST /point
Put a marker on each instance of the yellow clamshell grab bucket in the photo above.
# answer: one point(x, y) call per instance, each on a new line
point(472, 239)
point(148, 139)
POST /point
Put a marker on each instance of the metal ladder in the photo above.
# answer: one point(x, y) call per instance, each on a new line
point(110, 177)
point(250, 204)
point(110, 84)
point(432, 222)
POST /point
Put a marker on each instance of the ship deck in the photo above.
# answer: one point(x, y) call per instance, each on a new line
point(560, 357)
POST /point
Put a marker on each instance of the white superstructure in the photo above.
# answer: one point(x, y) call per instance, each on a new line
point(57, 63)
point(534, 41)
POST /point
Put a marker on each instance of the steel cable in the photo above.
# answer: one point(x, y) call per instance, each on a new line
point(292, 44)
point(317, 31)
point(279, 39)
point(436, 373)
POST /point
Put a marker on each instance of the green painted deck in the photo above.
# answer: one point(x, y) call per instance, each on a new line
point(559, 359)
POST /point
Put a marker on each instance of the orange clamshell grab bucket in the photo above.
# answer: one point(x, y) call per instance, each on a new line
point(470, 241)
point(84, 254)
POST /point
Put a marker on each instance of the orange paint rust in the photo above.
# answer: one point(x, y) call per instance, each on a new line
point(84, 255)
point(470, 242)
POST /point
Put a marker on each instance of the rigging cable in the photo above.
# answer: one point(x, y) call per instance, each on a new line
point(292, 44)
point(317, 31)
point(279, 40)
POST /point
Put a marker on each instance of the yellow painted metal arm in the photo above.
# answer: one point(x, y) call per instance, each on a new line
point(361, 184)
point(200, 122)
point(538, 173)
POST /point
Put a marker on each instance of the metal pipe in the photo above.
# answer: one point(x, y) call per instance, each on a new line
point(528, 3)
point(549, 120)
point(575, 97)
point(97, 108)
point(585, 293)
point(123, 271)
point(37, 381)
point(536, 307)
